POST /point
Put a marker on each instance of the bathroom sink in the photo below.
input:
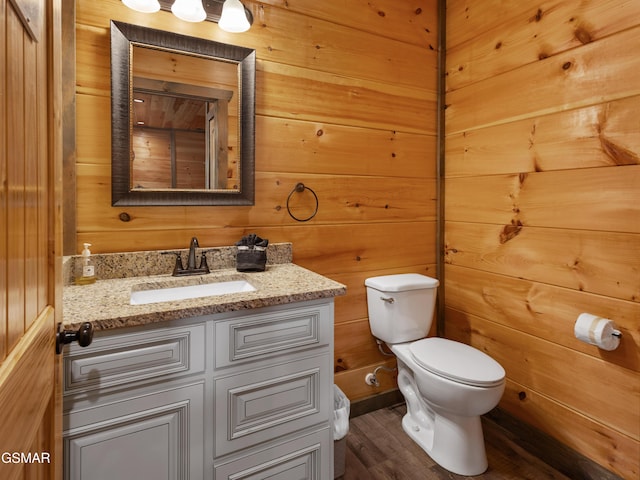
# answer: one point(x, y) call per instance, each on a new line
point(167, 294)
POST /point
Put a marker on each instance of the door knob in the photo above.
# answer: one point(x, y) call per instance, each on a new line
point(84, 336)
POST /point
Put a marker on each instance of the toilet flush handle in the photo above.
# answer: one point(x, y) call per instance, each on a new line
point(388, 300)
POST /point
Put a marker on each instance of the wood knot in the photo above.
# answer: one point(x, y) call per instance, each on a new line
point(566, 65)
point(583, 35)
point(538, 16)
point(617, 153)
point(510, 231)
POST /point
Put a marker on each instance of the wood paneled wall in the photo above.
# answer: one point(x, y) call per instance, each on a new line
point(542, 210)
point(345, 103)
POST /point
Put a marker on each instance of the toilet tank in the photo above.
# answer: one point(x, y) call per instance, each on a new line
point(401, 306)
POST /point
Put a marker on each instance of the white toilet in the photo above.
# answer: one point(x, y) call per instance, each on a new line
point(447, 385)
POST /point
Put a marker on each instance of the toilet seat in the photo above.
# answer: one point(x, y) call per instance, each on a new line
point(457, 362)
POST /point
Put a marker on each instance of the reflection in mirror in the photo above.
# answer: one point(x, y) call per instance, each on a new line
point(187, 122)
point(184, 136)
point(168, 142)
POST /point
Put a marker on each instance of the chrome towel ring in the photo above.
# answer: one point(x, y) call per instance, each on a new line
point(301, 187)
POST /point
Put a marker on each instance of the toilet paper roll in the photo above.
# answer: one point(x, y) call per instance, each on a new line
point(597, 331)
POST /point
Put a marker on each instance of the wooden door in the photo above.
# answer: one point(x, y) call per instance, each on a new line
point(30, 230)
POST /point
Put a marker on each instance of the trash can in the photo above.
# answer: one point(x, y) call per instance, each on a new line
point(341, 407)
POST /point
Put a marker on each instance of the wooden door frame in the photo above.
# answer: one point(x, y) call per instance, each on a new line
point(57, 44)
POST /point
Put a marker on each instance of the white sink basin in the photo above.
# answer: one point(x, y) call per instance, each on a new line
point(168, 294)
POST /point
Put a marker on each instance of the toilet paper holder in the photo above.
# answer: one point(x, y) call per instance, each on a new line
point(598, 331)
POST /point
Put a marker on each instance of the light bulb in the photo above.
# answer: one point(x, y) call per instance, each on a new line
point(144, 6)
point(233, 18)
point(189, 10)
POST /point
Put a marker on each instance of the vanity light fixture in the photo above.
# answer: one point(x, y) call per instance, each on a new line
point(189, 10)
point(231, 15)
point(233, 18)
point(144, 6)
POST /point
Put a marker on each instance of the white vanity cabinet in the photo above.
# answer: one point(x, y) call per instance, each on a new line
point(240, 395)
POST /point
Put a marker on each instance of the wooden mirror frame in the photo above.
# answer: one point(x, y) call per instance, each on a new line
point(123, 35)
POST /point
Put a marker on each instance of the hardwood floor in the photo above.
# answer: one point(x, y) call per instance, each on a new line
point(378, 449)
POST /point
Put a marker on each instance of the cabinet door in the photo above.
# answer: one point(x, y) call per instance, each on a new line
point(157, 436)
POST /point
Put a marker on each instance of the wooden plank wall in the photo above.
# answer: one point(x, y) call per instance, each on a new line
point(542, 210)
point(345, 103)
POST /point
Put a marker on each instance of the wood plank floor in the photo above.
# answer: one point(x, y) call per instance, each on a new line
point(378, 449)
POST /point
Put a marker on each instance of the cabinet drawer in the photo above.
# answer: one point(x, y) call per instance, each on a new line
point(304, 458)
point(129, 358)
point(268, 403)
point(253, 337)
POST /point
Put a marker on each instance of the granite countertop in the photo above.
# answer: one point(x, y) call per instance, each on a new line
point(106, 303)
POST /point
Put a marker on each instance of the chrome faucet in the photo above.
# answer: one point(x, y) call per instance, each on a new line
point(179, 270)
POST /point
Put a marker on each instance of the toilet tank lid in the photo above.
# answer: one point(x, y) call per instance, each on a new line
point(401, 282)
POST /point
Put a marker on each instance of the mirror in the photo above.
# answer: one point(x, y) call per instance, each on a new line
point(182, 119)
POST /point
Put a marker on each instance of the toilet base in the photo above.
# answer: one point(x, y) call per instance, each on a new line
point(456, 443)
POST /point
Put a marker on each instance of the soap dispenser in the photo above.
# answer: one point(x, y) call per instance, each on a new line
point(88, 270)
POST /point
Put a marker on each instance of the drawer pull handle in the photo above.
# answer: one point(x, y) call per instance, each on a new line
point(83, 336)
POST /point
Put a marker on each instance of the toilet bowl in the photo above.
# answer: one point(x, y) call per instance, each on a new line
point(447, 385)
